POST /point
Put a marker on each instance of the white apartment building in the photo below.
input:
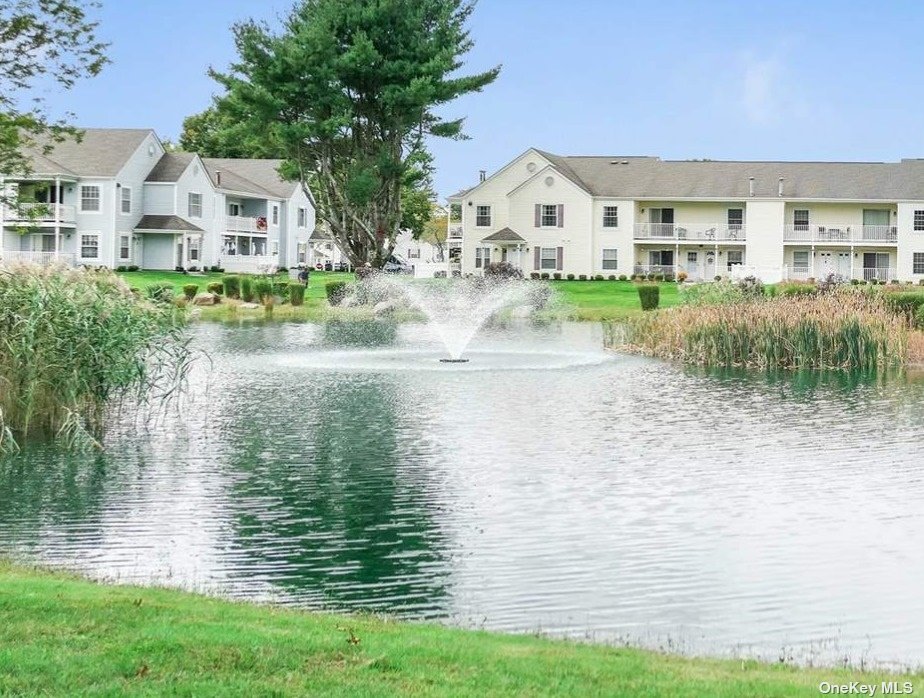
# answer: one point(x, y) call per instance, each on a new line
point(636, 215)
point(117, 198)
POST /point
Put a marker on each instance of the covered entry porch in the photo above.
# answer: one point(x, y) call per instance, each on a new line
point(506, 245)
point(166, 242)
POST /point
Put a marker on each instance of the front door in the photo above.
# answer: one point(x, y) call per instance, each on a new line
point(693, 265)
point(844, 265)
point(826, 265)
point(709, 267)
point(43, 243)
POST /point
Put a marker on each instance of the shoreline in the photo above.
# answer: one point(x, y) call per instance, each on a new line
point(65, 633)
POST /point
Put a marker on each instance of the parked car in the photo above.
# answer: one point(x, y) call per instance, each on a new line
point(341, 266)
point(396, 265)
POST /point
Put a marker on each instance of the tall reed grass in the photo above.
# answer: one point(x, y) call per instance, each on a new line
point(74, 342)
point(840, 329)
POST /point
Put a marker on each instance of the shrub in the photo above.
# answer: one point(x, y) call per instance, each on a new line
point(132, 267)
point(247, 289)
point(651, 276)
point(717, 277)
point(296, 293)
point(364, 272)
point(215, 287)
point(82, 341)
point(611, 277)
point(681, 276)
point(281, 289)
point(190, 291)
point(854, 282)
point(919, 318)
point(534, 275)
point(649, 295)
point(751, 287)
point(598, 277)
point(503, 270)
point(262, 290)
point(622, 277)
point(180, 269)
point(669, 277)
point(193, 269)
point(232, 286)
point(336, 291)
point(160, 293)
point(439, 275)
point(921, 282)
point(720, 292)
point(906, 303)
point(794, 288)
point(582, 277)
point(544, 276)
point(557, 276)
point(658, 277)
point(570, 277)
point(122, 268)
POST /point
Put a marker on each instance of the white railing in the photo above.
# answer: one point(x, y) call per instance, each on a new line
point(645, 269)
point(249, 264)
point(867, 274)
point(42, 213)
point(840, 233)
point(43, 258)
point(245, 224)
point(455, 232)
point(878, 274)
point(707, 232)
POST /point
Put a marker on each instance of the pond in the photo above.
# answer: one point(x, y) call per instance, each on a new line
point(545, 486)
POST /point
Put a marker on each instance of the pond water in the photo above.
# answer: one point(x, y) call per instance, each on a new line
point(544, 486)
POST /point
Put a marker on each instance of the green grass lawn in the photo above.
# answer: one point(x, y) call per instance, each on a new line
point(60, 635)
point(580, 300)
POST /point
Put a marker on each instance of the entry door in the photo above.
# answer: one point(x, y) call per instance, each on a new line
point(825, 265)
point(693, 265)
point(709, 268)
point(43, 243)
point(843, 264)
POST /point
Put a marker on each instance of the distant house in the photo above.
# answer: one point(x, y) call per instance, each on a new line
point(117, 198)
point(594, 215)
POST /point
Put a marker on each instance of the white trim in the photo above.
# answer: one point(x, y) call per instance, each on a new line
point(503, 169)
point(544, 170)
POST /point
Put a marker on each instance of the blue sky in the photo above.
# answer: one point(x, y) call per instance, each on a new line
point(724, 80)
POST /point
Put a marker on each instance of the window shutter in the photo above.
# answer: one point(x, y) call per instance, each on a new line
point(536, 257)
point(560, 262)
point(538, 217)
point(561, 216)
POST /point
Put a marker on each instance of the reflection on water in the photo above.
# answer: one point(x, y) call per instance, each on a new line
point(554, 488)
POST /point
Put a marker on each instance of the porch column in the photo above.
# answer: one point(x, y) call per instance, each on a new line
point(813, 262)
point(676, 259)
point(851, 261)
point(57, 206)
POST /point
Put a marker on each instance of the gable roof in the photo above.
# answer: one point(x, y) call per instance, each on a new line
point(504, 235)
point(166, 223)
point(101, 152)
point(170, 167)
point(651, 177)
point(250, 176)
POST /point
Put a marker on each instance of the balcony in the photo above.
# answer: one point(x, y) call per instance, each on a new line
point(41, 258)
point(840, 233)
point(455, 231)
point(691, 232)
point(39, 213)
point(245, 224)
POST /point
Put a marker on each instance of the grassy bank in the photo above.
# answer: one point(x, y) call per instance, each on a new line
point(64, 636)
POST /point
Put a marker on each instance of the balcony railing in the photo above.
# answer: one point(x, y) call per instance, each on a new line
point(42, 258)
point(38, 212)
point(840, 233)
point(646, 269)
point(245, 224)
point(455, 232)
point(700, 232)
point(867, 274)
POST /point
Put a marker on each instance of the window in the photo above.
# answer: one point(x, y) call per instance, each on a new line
point(549, 216)
point(735, 218)
point(609, 259)
point(918, 263)
point(413, 253)
point(195, 205)
point(274, 246)
point(125, 249)
point(302, 248)
point(919, 220)
point(800, 261)
point(611, 216)
point(89, 246)
point(483, 216)
point(549, 258)
point(126, 199)
point(195, 244)
point(734, 257)
point(234, 209)
point(661, 258)
point(800, 219)
point(303, 218)
point(275, 215)
point(482, 257)
point(89, 198)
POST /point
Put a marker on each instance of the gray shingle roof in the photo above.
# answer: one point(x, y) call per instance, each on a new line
point(260, 177)
point(166, 223)
point(170, 167)
point(102, 152)
point(504, 235)
point(651, 177)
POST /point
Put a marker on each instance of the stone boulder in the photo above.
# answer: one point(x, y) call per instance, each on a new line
point(206, 299)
